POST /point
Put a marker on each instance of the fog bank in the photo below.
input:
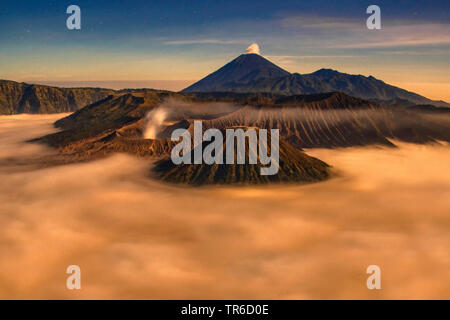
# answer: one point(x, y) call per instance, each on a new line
point(138, 238)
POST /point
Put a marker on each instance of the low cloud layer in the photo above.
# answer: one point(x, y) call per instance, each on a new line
point(134, 237)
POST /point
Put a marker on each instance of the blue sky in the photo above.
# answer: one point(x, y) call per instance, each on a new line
point(185, 40)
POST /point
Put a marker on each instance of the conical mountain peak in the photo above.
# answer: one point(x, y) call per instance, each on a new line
point(246, 68)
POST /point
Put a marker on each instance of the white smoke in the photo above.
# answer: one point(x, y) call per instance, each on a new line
point(172, 110)
point(254, 48)
point(153, 122)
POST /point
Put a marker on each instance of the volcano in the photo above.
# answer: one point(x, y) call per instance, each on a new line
point(294, 166)
point(241, 72)
point(252, 73)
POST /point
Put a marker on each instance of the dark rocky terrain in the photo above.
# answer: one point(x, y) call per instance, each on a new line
point(294, 166)
point(330, 120)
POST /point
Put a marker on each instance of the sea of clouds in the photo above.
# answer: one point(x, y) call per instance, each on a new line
point(134, 237)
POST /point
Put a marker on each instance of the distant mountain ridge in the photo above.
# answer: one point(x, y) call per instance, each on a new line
point(20, 97)
point(257, 74)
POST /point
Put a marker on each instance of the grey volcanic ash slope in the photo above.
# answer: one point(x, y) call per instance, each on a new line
point(337, 120)
point(253, 73)
point(18, 97)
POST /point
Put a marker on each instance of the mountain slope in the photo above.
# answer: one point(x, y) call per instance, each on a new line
point(294, 166)
point(16, 97)
point(243, 70)
point(116, 124)
point(326, 80)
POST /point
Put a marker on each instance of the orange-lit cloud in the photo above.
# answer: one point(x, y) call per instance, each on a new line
point(134, 237)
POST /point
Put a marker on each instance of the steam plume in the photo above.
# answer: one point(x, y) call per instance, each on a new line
point(153, 122)
point(254, 48)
